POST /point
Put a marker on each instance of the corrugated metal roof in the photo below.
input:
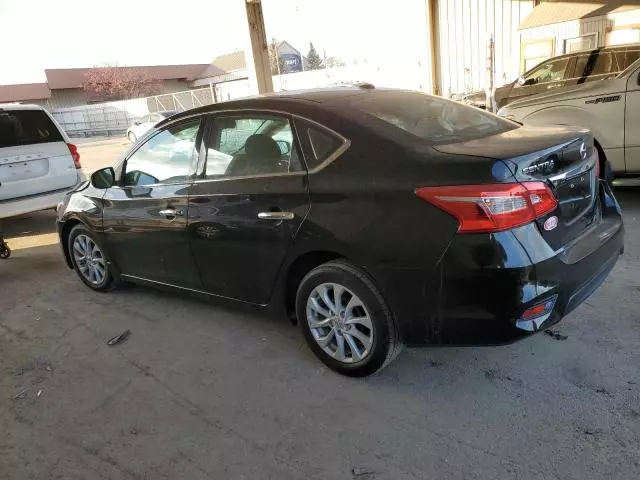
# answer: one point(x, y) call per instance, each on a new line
point(25, 91)
point(231, 61)
point(58, 78)
point(551, 12)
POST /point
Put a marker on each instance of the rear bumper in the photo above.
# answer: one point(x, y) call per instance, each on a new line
point(34, 203)
point(486, 282)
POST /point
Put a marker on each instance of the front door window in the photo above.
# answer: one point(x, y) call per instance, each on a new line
point(553, 71)
point(165, 158)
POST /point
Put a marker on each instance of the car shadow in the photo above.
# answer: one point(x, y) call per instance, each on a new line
point(36, 223)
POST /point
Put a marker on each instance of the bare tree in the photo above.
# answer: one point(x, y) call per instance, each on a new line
point(332, 62)
point(113, 82)
point(277, 62)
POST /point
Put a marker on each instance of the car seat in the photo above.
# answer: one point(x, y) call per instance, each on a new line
point(261, 155)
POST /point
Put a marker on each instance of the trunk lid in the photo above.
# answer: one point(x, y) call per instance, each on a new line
point(34, 169)
point(562, 157)
point(34, 157)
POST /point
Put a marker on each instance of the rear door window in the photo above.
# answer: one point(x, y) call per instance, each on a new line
point(627, 57)
point(26, 127)
point(602, 64)
point(323, 145)
point(434, 119)
point(251, 145)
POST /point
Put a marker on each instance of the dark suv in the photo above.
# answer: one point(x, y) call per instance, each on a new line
point(561, 72)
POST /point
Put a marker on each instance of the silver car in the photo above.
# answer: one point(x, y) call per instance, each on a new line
point(146, 123)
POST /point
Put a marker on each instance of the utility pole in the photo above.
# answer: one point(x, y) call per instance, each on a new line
point(434, 52)
point(258, 63)
point(490, 92)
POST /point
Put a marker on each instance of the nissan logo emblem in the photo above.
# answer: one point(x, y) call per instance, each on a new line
point(551, 223)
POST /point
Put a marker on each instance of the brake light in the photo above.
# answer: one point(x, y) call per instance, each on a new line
point(492, 208)
point(74, 154)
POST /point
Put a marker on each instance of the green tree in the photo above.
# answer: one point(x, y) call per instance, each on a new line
point(314, 62)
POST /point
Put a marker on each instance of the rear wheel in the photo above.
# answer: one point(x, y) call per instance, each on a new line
point(345, 320)
point(89, 260)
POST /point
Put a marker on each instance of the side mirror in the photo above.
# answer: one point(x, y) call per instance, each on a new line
point(284, 146)
point(137, 122)
point(103, 178)
point(520, 81)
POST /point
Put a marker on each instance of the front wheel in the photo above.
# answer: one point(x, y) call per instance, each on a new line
point(5, 251)
point(345, 320)
point(89, 259)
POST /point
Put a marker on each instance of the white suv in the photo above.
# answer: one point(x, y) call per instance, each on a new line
point(38, 164)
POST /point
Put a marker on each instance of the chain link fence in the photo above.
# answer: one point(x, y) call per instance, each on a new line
point(181, 100)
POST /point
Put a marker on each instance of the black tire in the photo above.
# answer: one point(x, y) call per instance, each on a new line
point(386, 343)
point(5, 251)
point(108, 283)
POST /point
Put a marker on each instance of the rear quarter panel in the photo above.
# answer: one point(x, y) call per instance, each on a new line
point(364, 207)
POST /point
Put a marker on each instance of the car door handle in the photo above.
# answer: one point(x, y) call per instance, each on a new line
point(278, 216)
point(170, 212)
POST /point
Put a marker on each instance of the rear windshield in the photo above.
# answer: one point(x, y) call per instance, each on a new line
point(25, 127)
point(431, 118)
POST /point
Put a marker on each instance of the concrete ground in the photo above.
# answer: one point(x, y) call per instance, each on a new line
point(206, 390)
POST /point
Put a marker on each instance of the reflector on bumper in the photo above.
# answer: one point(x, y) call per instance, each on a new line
point(533, 317)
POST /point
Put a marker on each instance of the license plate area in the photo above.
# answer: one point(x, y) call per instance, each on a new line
point(576, 196)
point(24, 170)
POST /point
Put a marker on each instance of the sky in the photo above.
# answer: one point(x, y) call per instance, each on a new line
point(39, 34)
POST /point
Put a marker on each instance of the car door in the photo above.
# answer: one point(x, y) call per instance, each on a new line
point(632, 123)
point(544, 78)
point(247, 204)
point(145, 215)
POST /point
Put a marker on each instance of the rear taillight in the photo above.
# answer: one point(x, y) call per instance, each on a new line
point(74, 154)
point(492, 208)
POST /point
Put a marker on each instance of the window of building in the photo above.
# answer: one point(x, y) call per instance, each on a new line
point(578, 44)
point(535, 52)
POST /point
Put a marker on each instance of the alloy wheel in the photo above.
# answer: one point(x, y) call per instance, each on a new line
point(89, 259)
point(340, 323)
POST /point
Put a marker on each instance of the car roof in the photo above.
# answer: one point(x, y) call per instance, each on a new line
point(594, 50)
point(326, 99)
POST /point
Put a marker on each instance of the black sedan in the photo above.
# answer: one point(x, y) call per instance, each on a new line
point(376, 218)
